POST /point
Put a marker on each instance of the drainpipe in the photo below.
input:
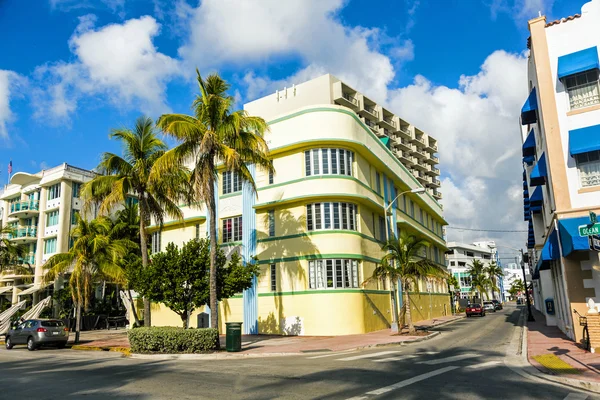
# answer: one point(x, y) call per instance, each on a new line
point(564, 277)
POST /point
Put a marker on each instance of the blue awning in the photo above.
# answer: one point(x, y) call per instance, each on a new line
point(537, 197)
point(524, 185)
point(530, 235)
point(569, 235)
point(528, 160)
point(580, 61)
point(535, 209)
point(529, 110)
point(539, 172)
point(584, 140)
point(529, 144)
point(386, 141)
point(549, 252)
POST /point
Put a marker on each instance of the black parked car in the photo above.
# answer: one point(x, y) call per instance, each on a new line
point(497, 304)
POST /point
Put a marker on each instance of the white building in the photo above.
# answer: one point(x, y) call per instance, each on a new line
point(512, 273)
point(561, 159)
point(41, 208)
point(461, 256)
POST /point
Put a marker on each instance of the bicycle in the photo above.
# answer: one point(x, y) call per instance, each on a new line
point(586, 333)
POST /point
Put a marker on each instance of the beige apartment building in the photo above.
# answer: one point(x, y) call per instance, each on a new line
point(41, 208)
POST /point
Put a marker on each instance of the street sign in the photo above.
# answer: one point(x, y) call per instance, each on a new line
point(589, 230)
point(594, 242)
point(428, 286)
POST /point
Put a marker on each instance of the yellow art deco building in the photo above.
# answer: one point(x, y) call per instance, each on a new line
point(317, 225)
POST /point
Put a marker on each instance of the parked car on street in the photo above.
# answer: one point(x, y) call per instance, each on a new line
point(489, 306)
point(475, 309)
point(38, 332)
point(497, 304)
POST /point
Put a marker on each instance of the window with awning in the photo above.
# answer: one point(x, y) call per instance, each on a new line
point(550, 252)
point(529, 144)
point(580, 61)
point(537, 197)
point(579, 73)
point(539, 173)
point(529, 109)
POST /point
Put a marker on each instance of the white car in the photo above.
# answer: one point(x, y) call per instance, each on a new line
point(489, 306)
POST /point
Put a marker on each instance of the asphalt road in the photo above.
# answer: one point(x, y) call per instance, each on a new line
point(467, 361)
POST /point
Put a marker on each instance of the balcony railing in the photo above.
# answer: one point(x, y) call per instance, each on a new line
point(421, 152)
point(27, 205)
point(372, 111)
point(390, 121)
point(433, 146)
point(387, 132)
point(350, 98)
point(434, 158)
point(437, 194)
point(436, 182)
point(436, 170)
point(23, 233)
point(30, 259)
point(371, 124)
point(420, 139)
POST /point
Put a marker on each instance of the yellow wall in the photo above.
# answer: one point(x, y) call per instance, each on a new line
point(425, 306)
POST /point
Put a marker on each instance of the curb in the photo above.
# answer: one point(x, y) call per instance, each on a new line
point(529, 371)
point(225, 356)
point(124, 350)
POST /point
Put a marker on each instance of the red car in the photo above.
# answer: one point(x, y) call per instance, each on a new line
point(475, 309)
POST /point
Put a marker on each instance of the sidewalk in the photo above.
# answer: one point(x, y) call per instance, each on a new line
point(266, 344)
point(551, 352)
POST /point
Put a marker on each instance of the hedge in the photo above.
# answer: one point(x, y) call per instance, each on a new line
point(172, 340)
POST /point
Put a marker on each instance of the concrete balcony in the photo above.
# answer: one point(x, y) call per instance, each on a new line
point(404, 133)
point(404, 144)
point(421, 166)
point(436, 183)
point(421, 177)
point(405, 157)
point(345, 96)
point(437, 195)
point(25, 208)
point(418, 141)
point(376, 130)
point(431, 159)
point(23, 235)
point(432, 146)
point(389, 123)
point(419, 153)
point(368, 111)
point(29, 259)
point(430, 171)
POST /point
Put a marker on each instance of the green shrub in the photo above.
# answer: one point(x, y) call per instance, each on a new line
point(172, 340)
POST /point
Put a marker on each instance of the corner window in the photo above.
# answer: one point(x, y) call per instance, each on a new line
point(333, 274)
point(328, 162)
point(583, 89)
point(232, 182)
point(588, 165)
point(232, 229)
point(326, 216)
point(155, 246)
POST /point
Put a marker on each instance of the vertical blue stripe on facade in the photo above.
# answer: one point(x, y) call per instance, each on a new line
point(216, 191)
point(250, 295)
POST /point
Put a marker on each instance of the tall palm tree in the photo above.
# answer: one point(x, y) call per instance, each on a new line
point(94, 256)
point(12, 254)
point(214, 134)
point(494, 272)
point(479, 280)
point(131, 175)
point(405, 261)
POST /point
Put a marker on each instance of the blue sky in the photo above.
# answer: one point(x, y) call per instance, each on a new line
point(72, 70)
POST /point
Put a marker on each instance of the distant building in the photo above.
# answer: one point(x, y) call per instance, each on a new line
point(461, 255)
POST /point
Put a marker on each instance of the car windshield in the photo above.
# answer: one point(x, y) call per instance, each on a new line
point(475, 305)
point(488, 303)
point(52, 324)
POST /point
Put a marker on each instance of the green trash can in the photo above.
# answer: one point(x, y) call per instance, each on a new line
point(233, 336)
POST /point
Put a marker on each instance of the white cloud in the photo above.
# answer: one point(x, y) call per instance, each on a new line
point(521, 10)
point(229, 32)
point(477, 129)
point(8, 81)
point(118, 61)
point(117, 6)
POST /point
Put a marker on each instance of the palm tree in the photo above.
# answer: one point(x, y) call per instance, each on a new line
point(215, 133)
point(404, 261)
point(494, 272)
point(479, 281)
point(94, 256)
point(12, 254)
point(131, 175)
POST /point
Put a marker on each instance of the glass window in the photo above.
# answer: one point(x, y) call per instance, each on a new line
point(271, 222)
point(52, 218)
point(469, 254)
point(328, 162)
point(412, 208)
point(54, 192)
point(232, 229)
point(271, 178)
point(232, 182)
point(156, 238)
point(588, 165)
point(50, 246)
point(583, 89)
point(338, 274)
point(381, 228)
point(377, 183)
point(74, 215)
point(319, 216)
point(76, 189)
point(273, 277)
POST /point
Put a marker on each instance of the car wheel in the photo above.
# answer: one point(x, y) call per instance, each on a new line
point(31, 344)
point(9, 344)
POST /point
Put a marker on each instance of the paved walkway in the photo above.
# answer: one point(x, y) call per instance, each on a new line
point(550, 351)
point(256, 344)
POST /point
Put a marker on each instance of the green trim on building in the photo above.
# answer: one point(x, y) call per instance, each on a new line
point(362, 124)
point(323, 232)
point(228, 195)
point(316, 177)
point(334, 291)
point(231, 244)
point(320, 257)
point(177, 222)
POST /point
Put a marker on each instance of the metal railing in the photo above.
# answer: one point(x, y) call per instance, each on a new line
point(433, 146)
point(370, 124)
point(434, 158)
point(372, 111)
point(23, 233)
point(27, 205)
point(350, 98)
point(436, 182)
point(390, 121)
point(436, 170)
point(420, 140)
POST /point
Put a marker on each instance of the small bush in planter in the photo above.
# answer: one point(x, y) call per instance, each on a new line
point(172, 340)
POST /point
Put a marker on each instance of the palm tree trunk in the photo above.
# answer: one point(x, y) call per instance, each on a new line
point(214, 312)
point(395, 306)
point(144, 249)
point(411, 327)
point(133, 309)
point(78, 322)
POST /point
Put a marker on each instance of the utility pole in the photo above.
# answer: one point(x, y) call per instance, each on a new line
point(529, 314)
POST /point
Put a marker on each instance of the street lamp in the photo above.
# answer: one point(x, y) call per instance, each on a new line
point(387, 238)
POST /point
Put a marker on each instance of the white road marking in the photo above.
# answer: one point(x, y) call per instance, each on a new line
point(371, 355)
point(398, 358)
point(410, 381)
point(429, 353)
point(331, 354)
point(484, 365)
point(358, 398)
point(576, 396)
point(449, 359)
